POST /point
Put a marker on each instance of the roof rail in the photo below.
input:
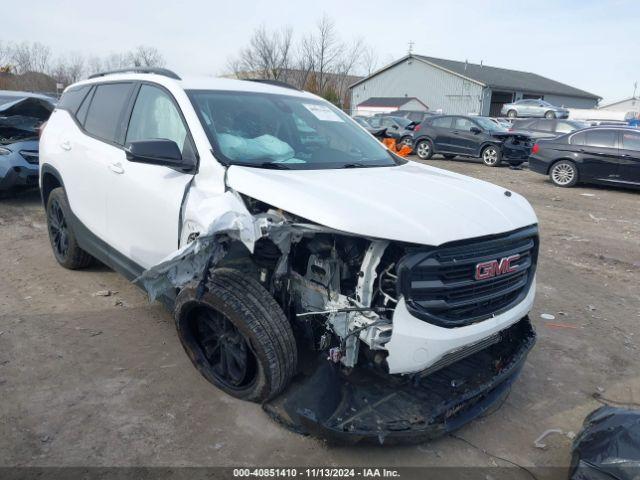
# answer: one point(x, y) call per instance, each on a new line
point(157, 71)
point(276, 83)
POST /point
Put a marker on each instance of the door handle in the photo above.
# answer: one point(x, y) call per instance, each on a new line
point(65, 145)
point(116, 168)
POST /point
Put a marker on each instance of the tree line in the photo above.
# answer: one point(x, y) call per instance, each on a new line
point(319, 61)
point(20, 59)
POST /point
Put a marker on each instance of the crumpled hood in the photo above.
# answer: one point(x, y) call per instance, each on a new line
point(410, 203)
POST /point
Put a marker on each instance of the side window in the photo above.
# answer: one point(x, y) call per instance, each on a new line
point(81, 115)
point(578, 139)
point(463, 124)
point(375, 122)
point(631, 141)
point(387, 122)
point(564, 127)
point(601, 138)
point(72, 98)
point(544, 125)
point(104, 118)
point(156, 116)
point(441, 122)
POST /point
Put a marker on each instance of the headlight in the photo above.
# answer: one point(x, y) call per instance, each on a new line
point(5, 151)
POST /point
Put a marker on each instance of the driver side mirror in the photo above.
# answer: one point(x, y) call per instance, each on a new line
point(475, 130)
point(158, 152)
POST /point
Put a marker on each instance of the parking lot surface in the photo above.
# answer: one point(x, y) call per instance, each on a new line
point(87, 379)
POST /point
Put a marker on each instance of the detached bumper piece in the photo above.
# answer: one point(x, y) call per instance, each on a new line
point(369, 407)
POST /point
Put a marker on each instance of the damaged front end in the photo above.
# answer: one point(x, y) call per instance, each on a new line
point(358, 380)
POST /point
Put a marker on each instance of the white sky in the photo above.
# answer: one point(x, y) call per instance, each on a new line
point(592, 45)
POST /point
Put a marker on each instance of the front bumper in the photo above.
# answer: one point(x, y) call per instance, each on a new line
point(416, 345)
point(16, 172)
point(368, 407)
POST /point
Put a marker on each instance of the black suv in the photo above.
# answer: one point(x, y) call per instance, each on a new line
point(606, 155)
point(479, 137)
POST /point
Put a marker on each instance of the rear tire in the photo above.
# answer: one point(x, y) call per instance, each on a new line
point(564, 173)
point(63, 240)
point(237, 336)
point(512, 114)
point(424, 149)
point(550, 115)
point(491, 156)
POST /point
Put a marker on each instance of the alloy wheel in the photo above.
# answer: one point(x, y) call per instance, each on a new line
point(490, 156)
point(230, 358)
point(563, 174)
point(58, 229)
point(423, 149)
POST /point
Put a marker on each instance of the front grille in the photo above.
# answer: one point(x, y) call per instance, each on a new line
point(439, 285)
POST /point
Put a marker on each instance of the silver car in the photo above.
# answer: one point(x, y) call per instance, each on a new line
point(533, 108)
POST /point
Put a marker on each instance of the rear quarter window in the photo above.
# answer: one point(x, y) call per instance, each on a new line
point(105, 115)
point(442, 122)
point(72, 98)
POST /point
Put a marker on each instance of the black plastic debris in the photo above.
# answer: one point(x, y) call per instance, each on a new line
point(364, 406)
point(608, 447)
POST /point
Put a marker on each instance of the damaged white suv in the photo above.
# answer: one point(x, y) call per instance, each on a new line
point(353, 293)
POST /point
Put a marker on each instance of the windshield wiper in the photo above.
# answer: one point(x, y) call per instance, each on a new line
point(274, 165)
point(354, 165)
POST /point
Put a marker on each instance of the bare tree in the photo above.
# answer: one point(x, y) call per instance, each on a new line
point(30, 57)
point(5, 55)
point(145, 56)
point(69, 68)
point(267, 56)
point(369, 60)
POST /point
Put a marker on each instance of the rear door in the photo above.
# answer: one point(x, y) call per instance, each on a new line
point(91, 150)
point(144, 201)
point(630, 156)
point(442, 134)
point(600, 154)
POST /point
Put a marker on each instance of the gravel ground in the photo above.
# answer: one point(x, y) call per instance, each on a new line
point(89, 380)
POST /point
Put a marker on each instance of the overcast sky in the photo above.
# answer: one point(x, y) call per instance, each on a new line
point(592, 45)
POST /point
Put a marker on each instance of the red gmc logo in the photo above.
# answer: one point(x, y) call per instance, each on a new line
point(495, 268)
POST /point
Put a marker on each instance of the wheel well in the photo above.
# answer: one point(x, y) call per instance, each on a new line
point(561, 160)
point(489, 144)
point(49, 182)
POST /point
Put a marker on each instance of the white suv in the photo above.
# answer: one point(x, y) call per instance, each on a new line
point(279, 230)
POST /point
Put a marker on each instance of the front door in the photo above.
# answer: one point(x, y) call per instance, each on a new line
point(464, 140)
point(144, 201)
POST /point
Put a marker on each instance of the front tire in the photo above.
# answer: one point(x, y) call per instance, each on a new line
point(512, 114)
point(237, 336)
point(491, 156)
point(406, 142)
point(63, 240)
point(424, 149)
point(564, 173)
point(550, 115)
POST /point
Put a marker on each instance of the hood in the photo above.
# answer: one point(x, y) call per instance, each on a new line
point(409, 203)
point(21, 114)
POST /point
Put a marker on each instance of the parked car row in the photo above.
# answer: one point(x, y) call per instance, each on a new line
point(569, 151)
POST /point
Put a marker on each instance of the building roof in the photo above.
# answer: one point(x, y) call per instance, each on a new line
point(630, 99)
point(387, 101)
point(495, 78)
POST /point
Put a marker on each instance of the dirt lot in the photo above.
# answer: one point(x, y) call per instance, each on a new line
point(93, 380)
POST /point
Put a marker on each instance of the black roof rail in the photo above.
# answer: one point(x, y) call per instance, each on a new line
point(157, 71)
point(276, 83)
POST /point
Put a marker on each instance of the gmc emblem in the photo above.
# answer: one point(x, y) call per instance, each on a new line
point(495, 268)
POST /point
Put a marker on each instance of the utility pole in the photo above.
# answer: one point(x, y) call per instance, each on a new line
point(411, 44)
point(635, 87)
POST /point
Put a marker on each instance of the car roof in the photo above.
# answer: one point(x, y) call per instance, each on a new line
point(198, 83)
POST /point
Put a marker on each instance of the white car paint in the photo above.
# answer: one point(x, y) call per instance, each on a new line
point(137, 211)
point(415, 345)
point(410, 203)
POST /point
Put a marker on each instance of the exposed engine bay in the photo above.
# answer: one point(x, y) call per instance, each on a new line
point(338, 290)
point(340, 293)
